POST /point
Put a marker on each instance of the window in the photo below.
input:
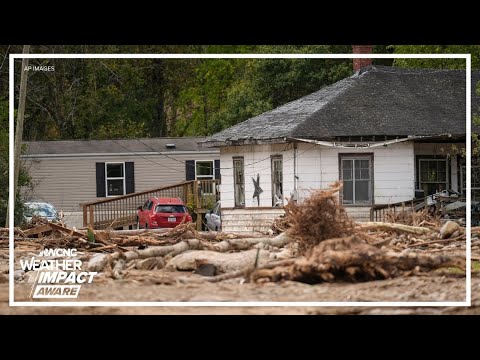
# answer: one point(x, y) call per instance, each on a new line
point(475, 183)
point(115, 178)
point(355, 172)
point(239, 182)
point(204, 170)
point(277, 180)
point(433, 175)
point(171, 209)
point(148, 205)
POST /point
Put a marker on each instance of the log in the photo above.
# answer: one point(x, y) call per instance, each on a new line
point(244, 244)
point(196, 244)
point(223, 263)
point(98, 262)
point(223, 246)
point(117, 272)
point(360, 262)
point(37, 230)
point(370, 225)
point(66, 230)
point(243, 272)
point(442, 241)
point(136, 232)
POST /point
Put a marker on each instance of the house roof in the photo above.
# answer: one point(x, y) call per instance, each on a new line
point(122, 146)
point(377, 101)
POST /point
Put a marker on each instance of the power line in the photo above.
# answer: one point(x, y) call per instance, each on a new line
point(221, 168)
point(152, 161)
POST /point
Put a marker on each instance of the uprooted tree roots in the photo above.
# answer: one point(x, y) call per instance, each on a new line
point(318, 243)
point(318, 218)
point(351, 259)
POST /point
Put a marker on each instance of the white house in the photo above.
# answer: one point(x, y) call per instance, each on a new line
point(388, 133)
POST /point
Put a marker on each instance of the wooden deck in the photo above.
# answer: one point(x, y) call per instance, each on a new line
point(121, 211)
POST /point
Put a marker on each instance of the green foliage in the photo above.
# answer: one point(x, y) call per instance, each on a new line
point(474, 50)
point(127, 98)
point(227, 91)
point(24, 178)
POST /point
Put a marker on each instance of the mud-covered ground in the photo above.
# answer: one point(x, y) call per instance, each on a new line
point(160, 285)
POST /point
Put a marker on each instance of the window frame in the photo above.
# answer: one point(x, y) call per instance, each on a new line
point(436, 158)
point(273, 159)
point(353, 157)
point(205, 177)
point(234, 159)
point(115, 178)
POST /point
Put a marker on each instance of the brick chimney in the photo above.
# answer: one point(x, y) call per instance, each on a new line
point(361, 63)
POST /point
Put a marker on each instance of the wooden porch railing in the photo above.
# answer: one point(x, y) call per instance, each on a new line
point(121, 211)
point(378, 212)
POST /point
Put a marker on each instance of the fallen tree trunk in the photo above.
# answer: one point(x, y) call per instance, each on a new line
point(133, 232)
point(196, 244)
point(192, 244)
point(442, 241)
point(416, 230)
point(244, 272)
point(349, 259)
point(222, 262)
point(244, 244)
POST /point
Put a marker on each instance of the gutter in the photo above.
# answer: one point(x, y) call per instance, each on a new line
point(368, 145)
point(72, 155)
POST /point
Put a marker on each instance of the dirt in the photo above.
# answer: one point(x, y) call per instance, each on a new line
point(160, 285)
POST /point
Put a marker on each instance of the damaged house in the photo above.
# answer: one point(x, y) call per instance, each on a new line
point(390, 134)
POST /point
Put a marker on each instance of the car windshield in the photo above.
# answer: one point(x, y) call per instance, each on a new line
point(43, 210)
point(170, 209)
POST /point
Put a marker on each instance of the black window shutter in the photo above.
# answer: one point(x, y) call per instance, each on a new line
point(129, 178)
point(217, 169)
point(190, 170)
point(100, 174)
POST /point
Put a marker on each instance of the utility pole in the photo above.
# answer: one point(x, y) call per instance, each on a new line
point(19, 127)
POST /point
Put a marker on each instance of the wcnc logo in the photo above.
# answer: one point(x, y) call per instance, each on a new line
point(57, 278)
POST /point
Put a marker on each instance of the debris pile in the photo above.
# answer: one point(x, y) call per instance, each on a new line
point(318, 218)
point(423, 217)
point(316, 242)
point(351, 259)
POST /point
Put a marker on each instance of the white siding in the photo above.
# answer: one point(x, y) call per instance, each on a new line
point(393, 170)
point(316, 168)
point(256, 161)
point(247, 220)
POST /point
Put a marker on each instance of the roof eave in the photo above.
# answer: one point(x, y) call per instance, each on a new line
point(240, 142)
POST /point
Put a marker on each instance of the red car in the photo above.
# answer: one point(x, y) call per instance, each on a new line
point(162, 213)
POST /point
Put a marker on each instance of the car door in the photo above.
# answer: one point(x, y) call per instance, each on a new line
point(141, 215)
